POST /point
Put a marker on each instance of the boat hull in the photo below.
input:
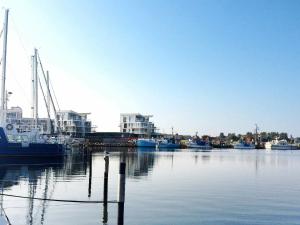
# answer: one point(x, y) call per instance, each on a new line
point(202, 147)
point(280, 146)
point(33, 150)
point(283, 147)
point(244, 147)
point(168, 145)
point(30, 150)
point(145, 143)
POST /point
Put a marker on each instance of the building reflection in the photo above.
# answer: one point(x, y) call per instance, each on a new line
point(139, 161)
point(39, 176)
point(139, 164)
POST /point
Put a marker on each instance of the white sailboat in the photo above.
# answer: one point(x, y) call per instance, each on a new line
point(13, 142)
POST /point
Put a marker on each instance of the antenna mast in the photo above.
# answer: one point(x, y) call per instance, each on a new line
point(256, 135)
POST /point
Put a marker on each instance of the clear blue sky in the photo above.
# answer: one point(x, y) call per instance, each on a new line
point(206, 66)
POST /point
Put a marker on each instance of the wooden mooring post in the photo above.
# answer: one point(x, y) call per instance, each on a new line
point(90, 157)
point(105, 188)
point(121, 193)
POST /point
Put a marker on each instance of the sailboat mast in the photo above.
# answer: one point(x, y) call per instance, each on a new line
point(3, 91)
point(35, 63)
point(5, 27)
point(32, 86)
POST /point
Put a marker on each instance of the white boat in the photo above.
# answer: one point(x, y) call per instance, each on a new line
point(12, 141)
point(244, 145)
point(280, 145)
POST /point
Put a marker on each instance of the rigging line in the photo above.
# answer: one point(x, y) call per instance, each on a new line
point(54, 109)
point(19, 36)
point(54, 94)
point(44, 97)
point(56, 200)
point(20, 86)
point(7, 219)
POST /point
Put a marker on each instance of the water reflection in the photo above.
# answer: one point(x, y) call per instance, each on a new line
point(139, 161)
point(12, 170)
point(140, 164)
point(41, 177)
point(38, 175)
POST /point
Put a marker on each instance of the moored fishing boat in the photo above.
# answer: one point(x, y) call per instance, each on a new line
point(26, 148)
point(167, 144)
point(199, 145)
point(244, 145)
point(280, 145)
point(144, 142)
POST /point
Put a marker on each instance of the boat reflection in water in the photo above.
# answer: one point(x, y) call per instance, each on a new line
point(165, 182)
point(37, 177)
point(14, 171)
point(51, 178)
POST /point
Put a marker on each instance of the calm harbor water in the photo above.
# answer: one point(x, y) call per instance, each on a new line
point(162, 188)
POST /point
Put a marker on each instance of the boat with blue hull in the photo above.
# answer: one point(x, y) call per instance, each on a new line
point(143, 142)
point(167, 144)
point(242, 145)
point(199, 144)
point(29, 149)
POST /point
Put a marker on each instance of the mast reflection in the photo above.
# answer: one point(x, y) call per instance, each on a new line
point(39, 173)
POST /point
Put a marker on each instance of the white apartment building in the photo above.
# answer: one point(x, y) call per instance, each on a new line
point(73, 123)
point(69, 122)
point(137, 124)
point(14, 116)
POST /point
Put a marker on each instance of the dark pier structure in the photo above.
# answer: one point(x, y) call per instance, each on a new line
point(110, 139)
